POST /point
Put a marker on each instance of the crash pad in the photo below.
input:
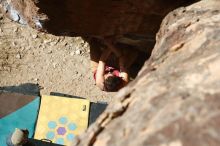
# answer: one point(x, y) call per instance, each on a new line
point(60, 119)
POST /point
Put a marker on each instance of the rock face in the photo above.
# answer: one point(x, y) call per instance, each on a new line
point(128, 22)
point(92, 17)
point(175, 100)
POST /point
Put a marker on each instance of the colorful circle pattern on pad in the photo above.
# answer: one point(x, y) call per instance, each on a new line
point(61, 130)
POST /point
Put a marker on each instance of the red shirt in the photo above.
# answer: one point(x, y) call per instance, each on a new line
point(113, 70)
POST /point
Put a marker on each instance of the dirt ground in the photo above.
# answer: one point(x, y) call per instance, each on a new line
point(57, 64)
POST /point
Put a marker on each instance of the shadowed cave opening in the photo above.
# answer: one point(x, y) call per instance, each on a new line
point(133, 29)
point(63, 21)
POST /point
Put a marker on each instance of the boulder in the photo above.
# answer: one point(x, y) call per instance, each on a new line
point(175, 99)
point(129, 22)
point(92, 17)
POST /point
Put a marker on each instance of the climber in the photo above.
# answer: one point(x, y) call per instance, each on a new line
point(110, 65)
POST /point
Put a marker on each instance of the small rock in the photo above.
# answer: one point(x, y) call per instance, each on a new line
point(65, 44)
point(33, 66)
point(49, 52)
point(28, 48)
point(34, 36)
point(86, 45)
point(14, 15)
point(14, 43)
point(79, 75)
point(58, 40)
point(16, 29)
point(43, 47)
point(72, 53)
point(53, 43)
point(36, 79)
point(18, 56)
point(78, 52)
point(22, 48)
point(54, 65)
point(47, 41)
point(7, 68)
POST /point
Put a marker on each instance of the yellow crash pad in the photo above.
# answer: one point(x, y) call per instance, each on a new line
point(60, 119)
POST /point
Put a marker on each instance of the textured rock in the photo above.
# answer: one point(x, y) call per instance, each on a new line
point(92, 17)
point(129, 22)
point(175, 100)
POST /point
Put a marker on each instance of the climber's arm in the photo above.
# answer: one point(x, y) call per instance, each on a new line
point(101, 69)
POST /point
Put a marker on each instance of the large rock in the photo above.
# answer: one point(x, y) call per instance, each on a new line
point(175, 100)
point(92, 17)
point(129, 22)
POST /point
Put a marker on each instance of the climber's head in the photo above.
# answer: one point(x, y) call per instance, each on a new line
point(112, 83)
